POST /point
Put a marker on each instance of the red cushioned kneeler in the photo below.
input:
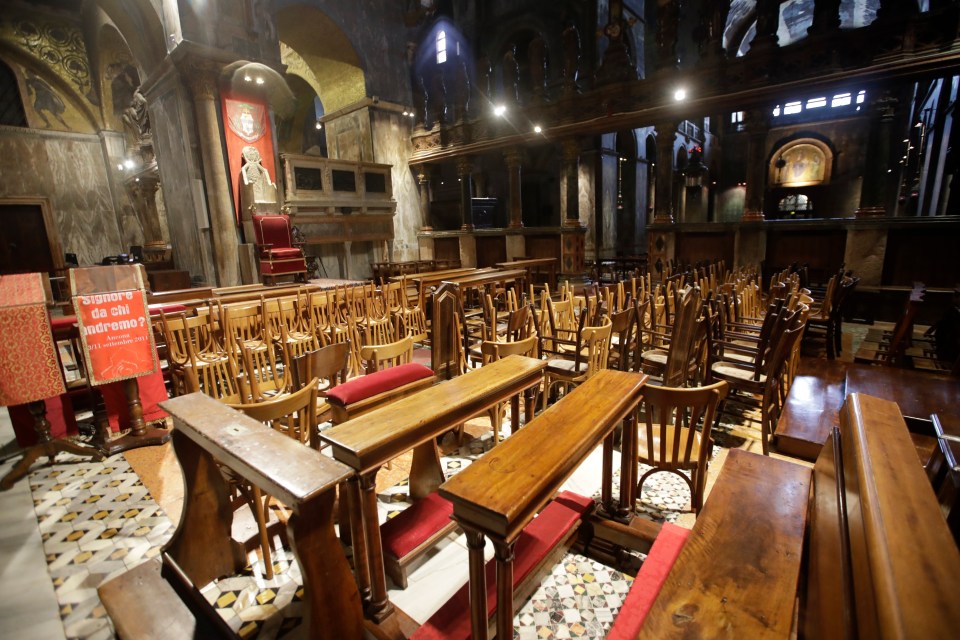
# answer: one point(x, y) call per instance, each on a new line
point(377, 382)
point(653, 573)
point(428, 516)
point(452, 620)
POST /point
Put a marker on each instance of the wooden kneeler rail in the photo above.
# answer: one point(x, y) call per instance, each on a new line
point(206, 433)
point(497, 496)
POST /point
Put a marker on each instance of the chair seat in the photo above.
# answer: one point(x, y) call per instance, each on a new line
point(567, 367)
point(284, 252)
point(730, 371)
point(642, 447)
point(654, 356)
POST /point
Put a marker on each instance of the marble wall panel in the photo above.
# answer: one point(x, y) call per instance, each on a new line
point(391, 141)
point(71, 171)
point(184, 203)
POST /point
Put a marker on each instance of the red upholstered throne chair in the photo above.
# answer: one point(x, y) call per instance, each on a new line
point(279, 256)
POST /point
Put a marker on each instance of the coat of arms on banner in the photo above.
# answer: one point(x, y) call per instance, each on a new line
point(246, 120)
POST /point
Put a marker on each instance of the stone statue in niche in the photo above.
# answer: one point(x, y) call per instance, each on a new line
point(137, 120)
point(258, 193)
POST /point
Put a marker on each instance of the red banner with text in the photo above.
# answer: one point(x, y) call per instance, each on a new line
point(116, 335)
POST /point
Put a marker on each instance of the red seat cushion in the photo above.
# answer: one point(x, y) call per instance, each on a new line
point(452, 620)
point(653, 572)
point(285, 252)
point(62, 322)
point(407, 530)
point(378, 382)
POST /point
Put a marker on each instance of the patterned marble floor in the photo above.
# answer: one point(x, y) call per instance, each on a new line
point(97, 520)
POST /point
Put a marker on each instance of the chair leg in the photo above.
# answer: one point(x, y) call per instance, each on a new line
point(259, 511)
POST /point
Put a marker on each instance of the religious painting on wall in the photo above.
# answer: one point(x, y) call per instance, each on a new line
point(800, 165)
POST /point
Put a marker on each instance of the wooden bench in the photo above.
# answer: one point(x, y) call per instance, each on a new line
point(813, 403)
point(879, 560)
point(499, 495)
point(206, 433)
point(413, 422)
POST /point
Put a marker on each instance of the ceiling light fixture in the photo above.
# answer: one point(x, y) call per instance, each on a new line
point(499, 110)
point(259, 80)
point(680, 94)
point(247, 78)
point(537, 129)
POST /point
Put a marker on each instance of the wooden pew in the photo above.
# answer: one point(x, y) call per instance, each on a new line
point(413, 422)
point(737, 574)
point(498, 495)
point(532, 267)
point(201, 549)
point(880, 561)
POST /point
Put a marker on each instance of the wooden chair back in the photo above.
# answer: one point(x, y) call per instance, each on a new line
point(682, 338)
point(382, 356)
point(675, 432)
point(328, 364)
point(493, 351)
point(218, 378)
point(242, 327)
point(623, 348)
point(267, 373)
point(293, 414)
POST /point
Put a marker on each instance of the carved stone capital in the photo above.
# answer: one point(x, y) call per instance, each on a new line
point(570, 149)
point(202, 77)
point(513, 157)
point(464, 166)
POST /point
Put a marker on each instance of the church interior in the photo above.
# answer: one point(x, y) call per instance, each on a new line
point(462, 318)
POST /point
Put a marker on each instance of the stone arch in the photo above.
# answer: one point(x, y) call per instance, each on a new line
point(325, 57)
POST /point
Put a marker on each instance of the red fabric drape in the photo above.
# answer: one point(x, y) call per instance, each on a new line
point(246, 121)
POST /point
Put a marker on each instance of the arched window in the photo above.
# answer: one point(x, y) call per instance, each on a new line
point(793, 204)
point(441, 46)
point(11, 103)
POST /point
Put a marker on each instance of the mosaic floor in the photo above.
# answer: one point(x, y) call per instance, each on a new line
point(97, 520)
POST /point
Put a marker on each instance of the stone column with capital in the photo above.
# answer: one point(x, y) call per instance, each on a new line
point(756, 124)
point(768, 21)
point(873, 190)
point(666, 136)
point(514, 158)
point(423, 183)
point(465, 173)
point(202, 77)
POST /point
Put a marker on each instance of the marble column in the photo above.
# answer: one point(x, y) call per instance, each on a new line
point(666, 136)
point(513, 158)
point(873, 190)
point(202, 77)
point(571, 172)
point(423, 183)
point(756, 124)
point(465, 173)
